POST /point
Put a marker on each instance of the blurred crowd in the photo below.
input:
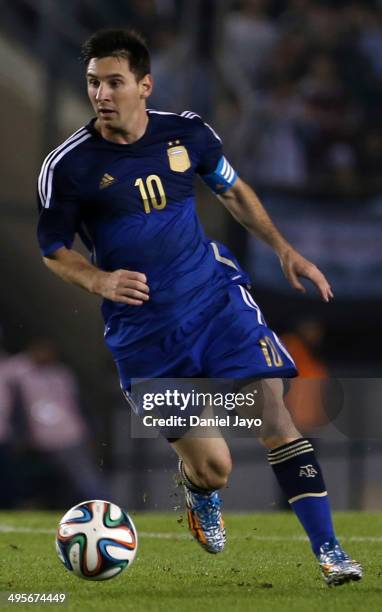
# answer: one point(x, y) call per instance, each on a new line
point(46, 453)
point(304, 85)
point(293, 86)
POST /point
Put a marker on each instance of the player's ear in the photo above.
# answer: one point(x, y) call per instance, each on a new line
point(146, 86)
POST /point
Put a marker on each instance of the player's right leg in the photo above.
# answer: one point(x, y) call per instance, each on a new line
point(204, 465)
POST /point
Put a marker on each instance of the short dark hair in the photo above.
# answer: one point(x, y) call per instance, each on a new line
point(119, 43)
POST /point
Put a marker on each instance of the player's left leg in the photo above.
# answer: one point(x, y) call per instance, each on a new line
point(298, 472)
point(204, 465)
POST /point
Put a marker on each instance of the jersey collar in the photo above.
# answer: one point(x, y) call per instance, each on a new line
point(90, 127)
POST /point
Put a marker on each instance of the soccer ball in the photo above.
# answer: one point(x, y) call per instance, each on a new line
point(96, 540)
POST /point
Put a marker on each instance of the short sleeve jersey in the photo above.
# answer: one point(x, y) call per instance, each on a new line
point(134, 207)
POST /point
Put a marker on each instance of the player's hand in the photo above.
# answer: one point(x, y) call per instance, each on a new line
point(295, 266)
point(122, 286)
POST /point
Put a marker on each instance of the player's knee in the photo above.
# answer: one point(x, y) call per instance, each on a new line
point(277, 424)
point(214, 472)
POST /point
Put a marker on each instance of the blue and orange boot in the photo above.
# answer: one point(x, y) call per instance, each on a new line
point(204, 515)
point(336, 566)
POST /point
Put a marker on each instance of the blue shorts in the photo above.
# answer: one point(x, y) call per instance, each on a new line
point(228, 339)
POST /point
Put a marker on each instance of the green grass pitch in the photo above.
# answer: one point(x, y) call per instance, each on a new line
point(267, 566)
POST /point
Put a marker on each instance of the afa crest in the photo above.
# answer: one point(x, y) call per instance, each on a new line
point(308, 470)
point(178, 157)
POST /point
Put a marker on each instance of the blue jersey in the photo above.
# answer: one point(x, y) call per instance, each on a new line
point(134, 207)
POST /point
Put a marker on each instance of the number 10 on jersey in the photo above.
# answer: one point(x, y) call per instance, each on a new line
point(152, 192)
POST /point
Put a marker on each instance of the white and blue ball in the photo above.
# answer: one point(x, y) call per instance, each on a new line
point(96, 540)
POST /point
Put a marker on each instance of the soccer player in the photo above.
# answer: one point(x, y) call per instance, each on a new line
point(175, 303)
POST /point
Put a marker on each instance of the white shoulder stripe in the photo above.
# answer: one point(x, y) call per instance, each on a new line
point(187, 115)
point(154, 112)
point(63, 144)
point(49, 183)
point(55, 151)
point(43, 174)
point(191, 115)
point(213, 131)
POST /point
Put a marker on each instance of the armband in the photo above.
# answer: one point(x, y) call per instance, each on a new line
point(222, 178)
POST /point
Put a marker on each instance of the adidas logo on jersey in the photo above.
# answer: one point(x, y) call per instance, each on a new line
point(106, 181)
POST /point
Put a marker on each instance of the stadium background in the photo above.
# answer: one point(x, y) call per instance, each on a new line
point(295, 89)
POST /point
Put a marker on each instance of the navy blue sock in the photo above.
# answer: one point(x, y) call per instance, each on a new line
point(299, 475)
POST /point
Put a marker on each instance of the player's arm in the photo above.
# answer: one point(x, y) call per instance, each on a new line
point(243, 204)
point(59, 222)
point(122, 286)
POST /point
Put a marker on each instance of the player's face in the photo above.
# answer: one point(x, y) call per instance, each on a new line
point(116, 95)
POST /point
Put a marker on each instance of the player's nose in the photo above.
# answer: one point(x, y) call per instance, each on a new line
point(102, 92)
